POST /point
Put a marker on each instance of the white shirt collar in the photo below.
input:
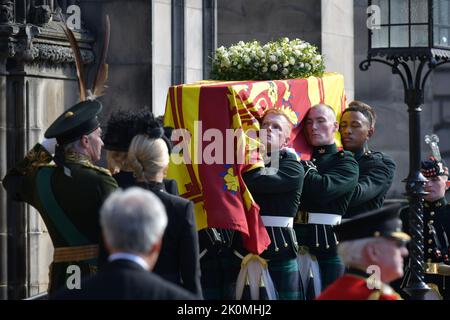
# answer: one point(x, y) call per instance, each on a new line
point(131, 257)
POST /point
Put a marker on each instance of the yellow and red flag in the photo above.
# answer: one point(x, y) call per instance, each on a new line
point(214, 144)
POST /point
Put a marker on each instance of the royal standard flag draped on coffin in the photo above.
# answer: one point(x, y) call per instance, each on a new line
point(213, 147)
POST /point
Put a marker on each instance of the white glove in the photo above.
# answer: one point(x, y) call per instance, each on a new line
point(292, 151)
point(49, 145)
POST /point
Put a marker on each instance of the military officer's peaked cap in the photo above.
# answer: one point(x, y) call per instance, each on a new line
point(383, 222)
point(79, 120)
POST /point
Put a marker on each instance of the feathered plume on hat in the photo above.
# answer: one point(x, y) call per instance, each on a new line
point(102, 71)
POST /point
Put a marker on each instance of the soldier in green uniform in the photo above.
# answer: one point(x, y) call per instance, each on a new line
point(68, 190)
point(436, 217)
point(330, 179)
point(277, 191)
point(376, 170)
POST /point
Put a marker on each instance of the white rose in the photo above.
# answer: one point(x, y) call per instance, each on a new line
point(292, 61)
point(286, 63)
point(285, 71)
point(273, 58)
point(239, 66)
point(274, 67)
point(301, 65)
point(247, 60)
point(264, 69)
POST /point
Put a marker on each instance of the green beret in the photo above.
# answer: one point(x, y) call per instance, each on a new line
point(79, 120)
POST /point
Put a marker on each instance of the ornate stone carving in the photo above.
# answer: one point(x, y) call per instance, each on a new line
point(40, 14)
point(46, 53)
point(6, 11)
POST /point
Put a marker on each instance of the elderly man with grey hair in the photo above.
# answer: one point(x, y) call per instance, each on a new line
point(372, 247)
point(133, 223)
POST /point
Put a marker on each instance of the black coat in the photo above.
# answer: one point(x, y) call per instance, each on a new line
point(125, 179)
point(179, 260)
point(125, 280)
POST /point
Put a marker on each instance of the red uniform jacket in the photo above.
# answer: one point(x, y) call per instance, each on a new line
point(355, 287)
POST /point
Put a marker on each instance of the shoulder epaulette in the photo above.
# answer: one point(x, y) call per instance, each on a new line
point(343, 153)
point(97, 168)
point(50, 165)
point(384, 291)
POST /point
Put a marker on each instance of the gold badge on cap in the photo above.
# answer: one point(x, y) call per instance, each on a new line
point(68, 114)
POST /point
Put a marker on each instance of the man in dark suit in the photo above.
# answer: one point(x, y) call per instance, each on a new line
point(133, 223)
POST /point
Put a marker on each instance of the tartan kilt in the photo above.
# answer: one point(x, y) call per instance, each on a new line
point(331, 269)
point(219, 271)
point(286, 279)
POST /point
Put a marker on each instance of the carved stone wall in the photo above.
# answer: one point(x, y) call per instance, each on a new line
point(37, 82)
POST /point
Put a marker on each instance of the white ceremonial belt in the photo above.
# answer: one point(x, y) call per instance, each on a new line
point(324, 218)
point(275, 221)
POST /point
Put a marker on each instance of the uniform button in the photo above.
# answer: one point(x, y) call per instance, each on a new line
point(430, 241)
point(430, 250)
point(432, 213)
point(431, 222)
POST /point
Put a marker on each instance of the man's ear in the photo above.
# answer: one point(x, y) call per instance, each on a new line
point(106, 244)
point(336, 126)
point(371, 132)
point(372, 252)
point(156, 248)
point(84, 141)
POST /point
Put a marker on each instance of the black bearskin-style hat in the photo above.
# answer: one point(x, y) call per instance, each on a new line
point(432, 168)
point(123, 126)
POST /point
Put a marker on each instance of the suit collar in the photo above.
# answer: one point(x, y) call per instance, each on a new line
point(152, 185)
point(132, 258)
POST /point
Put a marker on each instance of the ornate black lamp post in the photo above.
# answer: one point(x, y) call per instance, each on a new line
point(413, 38)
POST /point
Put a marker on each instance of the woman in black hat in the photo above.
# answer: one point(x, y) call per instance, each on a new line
point(137, 147)
point(120, 130)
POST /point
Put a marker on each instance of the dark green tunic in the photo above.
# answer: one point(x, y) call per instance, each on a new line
point(376, 172)
point(277, 191)
point(436, 241)
point(69, 203)
point(327, 190)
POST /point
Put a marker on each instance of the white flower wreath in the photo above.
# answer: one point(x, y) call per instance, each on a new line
point(281, 59)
